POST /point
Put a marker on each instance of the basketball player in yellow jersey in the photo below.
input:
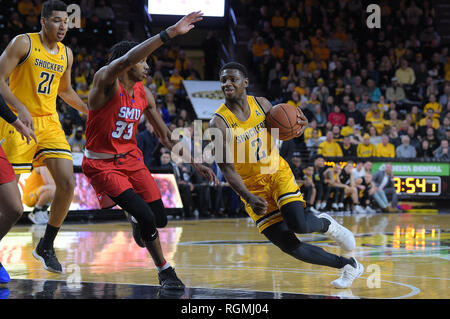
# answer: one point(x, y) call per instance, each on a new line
point(271, 197)
point(38, 66)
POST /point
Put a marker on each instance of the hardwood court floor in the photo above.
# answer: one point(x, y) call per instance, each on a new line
point(405, 256)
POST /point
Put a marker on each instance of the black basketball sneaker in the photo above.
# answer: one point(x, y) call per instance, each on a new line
point(168, 279)
point(48, 258)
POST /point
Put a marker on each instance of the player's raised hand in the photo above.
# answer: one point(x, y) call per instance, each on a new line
point(258, 204)
point(185, 24)
point(24, 130)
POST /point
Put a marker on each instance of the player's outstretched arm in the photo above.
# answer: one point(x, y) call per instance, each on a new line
point(15, 52)
point(258, 204)
point(107, 75)
point(66, 91)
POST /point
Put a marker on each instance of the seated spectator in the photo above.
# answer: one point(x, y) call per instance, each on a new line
point(365, 149)
point(405, 74)
point(77, 139)
point(356, 138)
point(147, 141)
point(374, 91)
point(405, 150)
point(375, 117)
point(319, 185)
point(355, 114)
point(384, 149)
point(348, 149)
point(293, 22)
point(441, 153)
point(441, 132)
point(364, 105)
point(394, 138)
point(358, 88)
point(309, 130)
point(337, 137)
point(382, 105)
point(307, 187)
point(312, 102)
point(348, 130)
point(83, 92)
point(434, 105)
point(320, 117)
point(384, 181)
point(277, 20)
point(350, 189)
point(176, 79)
point(395, 93)
point(393, 119)
point(337, 117)
point(329, 148)
point(370, 190)
point(429, 120)
point(277, 50)
point(296, 166)
point(313, 143)
point(295, 99)
point(333, 185)
point(258, 50)
point(431, 138)
point(445, 97)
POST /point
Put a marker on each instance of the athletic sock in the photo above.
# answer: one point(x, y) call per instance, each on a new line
point(164, 266)
point(326, 225)
point(346, 261)
point(49, 236)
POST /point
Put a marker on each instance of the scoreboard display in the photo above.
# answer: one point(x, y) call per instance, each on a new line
point(418, 185)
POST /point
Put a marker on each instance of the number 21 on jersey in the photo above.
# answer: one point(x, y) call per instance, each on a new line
point(123, 129)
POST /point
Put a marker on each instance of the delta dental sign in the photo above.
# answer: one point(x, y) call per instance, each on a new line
point(415, 169)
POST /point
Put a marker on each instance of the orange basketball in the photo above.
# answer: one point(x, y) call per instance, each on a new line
point(284, 117)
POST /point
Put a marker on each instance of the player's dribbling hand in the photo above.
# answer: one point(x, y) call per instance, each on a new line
point(185, 24)
point(24, 130)
point(258, 204)
point(303, 121)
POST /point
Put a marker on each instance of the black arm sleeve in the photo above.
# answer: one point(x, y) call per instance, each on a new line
point(5, 112)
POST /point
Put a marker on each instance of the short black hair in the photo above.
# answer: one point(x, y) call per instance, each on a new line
point(120, 49)
point(52, 5)
point(236, 66)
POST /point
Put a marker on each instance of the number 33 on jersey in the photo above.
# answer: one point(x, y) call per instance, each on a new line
point(112, 129)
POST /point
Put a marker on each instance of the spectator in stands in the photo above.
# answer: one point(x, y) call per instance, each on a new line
point(405, 74)
point(374, 91)
point(348, 149)
point(147, 142)
point(434, 105)
point(365, 149)
point(333, 185)
point(375, 117)
point(337, 137)
point(296, 166)
point(384, 149)
point(394, 138)
point(355, 114)
point(337, 117)
point(442, 153)
point(348, 130)
point(445, 97)
point(313, 143)
point(318, 178)
point(77, 140)
point(394, 120)
point(320, 117)
point(431, 138)
point(103, 11)
point(358, 88)
point(329, 148)
point(384, 180)
point(395, 93)
point(372, 191)
point(405, 150)
point(441, 132)
point(364, 105)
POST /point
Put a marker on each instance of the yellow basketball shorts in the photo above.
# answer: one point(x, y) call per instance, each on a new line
point(277, 189)
point(51, 143)
point(30, 199)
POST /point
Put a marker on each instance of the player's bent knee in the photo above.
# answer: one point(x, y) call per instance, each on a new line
point(292, 214)
point(282, 237)
point(159, 213)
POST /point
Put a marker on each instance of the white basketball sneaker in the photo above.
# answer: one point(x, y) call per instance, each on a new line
point(348, 275)
point(359, 210)
point(339, 233)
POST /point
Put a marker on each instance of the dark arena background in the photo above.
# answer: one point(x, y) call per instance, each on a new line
point(373, 80)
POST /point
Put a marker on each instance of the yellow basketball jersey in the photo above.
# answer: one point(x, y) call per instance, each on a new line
point(35, 80)
point(253, 149)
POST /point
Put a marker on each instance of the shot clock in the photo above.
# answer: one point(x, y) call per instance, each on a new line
point(418, 185)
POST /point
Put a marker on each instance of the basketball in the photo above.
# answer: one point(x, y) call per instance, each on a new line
point(284, 117)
